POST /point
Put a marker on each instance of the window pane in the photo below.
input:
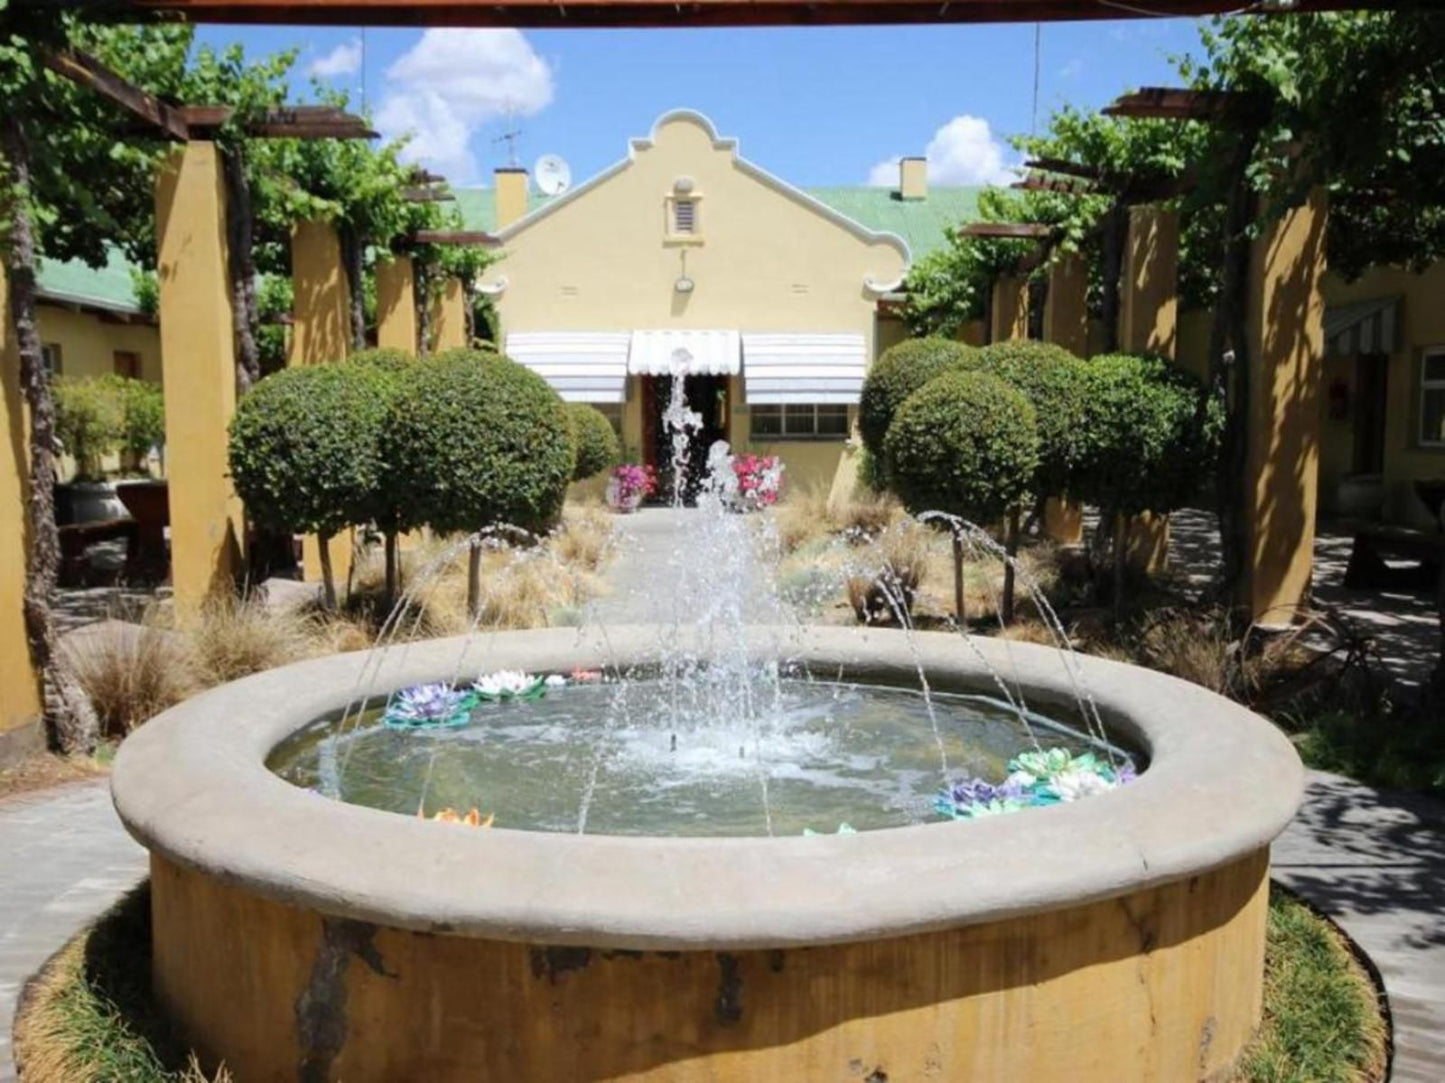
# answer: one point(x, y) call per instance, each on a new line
point(766, 420)
point(832, 419)
point(1435, 367)
point(685, 216)
point(798, 419)
point(1432, 416)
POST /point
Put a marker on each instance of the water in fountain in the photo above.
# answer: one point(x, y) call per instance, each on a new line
point(711, 738)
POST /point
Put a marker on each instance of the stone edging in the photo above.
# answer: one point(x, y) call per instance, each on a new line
point(192, 785)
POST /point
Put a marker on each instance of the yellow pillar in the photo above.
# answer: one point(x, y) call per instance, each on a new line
point(19, 683)
point(449, 317)
point(1149, 323)
point(198, 367)
point(320, 333)
point(321, 310)
point(1009, 312)
point(1066, 307)
point(1149, 294)
point(1284, 356)
point(396, 304)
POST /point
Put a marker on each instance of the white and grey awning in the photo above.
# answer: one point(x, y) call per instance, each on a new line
point(1367, 327)
point(782, 368)
point(582, 366)
point(685, 353)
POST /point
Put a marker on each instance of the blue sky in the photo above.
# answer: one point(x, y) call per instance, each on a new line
point(815, 106)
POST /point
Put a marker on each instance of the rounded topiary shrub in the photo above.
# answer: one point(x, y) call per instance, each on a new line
point(1147, 444)
point(385, 358)
point(478, 440)
point(305, 449)
point(902, 370)
point(593, 439)
point(1053, 381)
point(963, 443)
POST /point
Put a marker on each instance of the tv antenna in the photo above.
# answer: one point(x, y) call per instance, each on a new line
point(510, 137)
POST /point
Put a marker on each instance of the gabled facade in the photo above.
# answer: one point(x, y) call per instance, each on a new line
point(687, 258)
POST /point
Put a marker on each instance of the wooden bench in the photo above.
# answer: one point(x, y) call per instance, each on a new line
point(1376, 543)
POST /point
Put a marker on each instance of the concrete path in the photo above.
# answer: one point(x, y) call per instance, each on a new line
point(1375, 862)
point(64, 858)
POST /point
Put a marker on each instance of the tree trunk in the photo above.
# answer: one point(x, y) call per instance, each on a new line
point(240, 236)
point(1011, 547)
point(1116, 226)
point(958, 613)
point(328, 581)
point(474, 580)
point(351, 257)
point(422, 289)
point(389, 596)
point(1120, 549)
point(469, 313)
point(70, 718)
point(1231, 378)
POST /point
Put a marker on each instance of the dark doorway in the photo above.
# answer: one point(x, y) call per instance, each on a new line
point(708, 396)
point(1370, 390)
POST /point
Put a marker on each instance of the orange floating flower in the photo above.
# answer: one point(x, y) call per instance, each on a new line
point(473, 818)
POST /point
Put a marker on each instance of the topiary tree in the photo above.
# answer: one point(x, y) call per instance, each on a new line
point(1052, 379)
point(1150, 435)
point(305, 451)
point(902, 370)
point(593, 439)
point(477, 440)
point(89, 421)
point(143, 413)
point(390, 507)
point(965, 443)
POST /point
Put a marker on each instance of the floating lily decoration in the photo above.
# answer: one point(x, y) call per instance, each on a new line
point(510, 684)
point(473, 818)
point(843, 829)
point(428, 706)
point(1043, 777)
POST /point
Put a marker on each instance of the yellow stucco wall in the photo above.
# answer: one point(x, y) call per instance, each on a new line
point(19, 686)
point(88, 344)
point(765, 258)
point(1422, 325)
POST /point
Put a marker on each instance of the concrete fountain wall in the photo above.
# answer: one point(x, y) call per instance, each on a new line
point(1120, 937)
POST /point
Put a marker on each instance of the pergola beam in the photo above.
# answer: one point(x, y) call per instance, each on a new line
point(1180, 103)
point(427, 195)
point(1007, 231)
point(1072, 187)
point(473, 238)
point(551, 14)
point(90, 73)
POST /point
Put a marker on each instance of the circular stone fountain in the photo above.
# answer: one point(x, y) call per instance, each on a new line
point(1117, 937)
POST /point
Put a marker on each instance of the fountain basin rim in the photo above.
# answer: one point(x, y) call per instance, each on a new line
point(193, 787)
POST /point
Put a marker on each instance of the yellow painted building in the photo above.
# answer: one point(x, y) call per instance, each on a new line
point(686, 258)
point(91, 322)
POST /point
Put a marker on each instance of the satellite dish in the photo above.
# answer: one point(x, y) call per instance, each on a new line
point(554, 176)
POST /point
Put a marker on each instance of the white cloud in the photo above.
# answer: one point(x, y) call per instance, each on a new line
point(343, 60)
point(451, 83)
point(963, 151)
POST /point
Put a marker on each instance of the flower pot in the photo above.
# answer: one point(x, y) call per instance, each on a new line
point(88, 502)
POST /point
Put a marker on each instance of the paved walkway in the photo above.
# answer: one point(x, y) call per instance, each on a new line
point(64, 858)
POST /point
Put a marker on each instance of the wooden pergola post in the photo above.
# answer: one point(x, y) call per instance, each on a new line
point(1009, 310)
point(396, 327)
point(1066, 324)
point(198, 366)
point(20, 696)
point(449, 316)
point(1285, 354)
point(320, 333)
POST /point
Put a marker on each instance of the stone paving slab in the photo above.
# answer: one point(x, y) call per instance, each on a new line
point(66, 858)
point(1375, 861)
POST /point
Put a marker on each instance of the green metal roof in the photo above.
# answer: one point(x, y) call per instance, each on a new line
point(921, 222)
point(71, 280)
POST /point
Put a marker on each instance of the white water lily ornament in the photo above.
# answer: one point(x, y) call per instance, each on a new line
point(510, 684)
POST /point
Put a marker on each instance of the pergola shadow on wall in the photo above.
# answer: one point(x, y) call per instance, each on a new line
point(196, 318)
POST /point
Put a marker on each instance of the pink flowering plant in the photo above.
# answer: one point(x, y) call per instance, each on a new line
point(629, 485)
point(759, 477)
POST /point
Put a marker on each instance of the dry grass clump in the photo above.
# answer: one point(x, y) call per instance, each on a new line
point(894, 564)
point(41, 770)
point(807, 514)
point(132, 672)
point(90, 1014)
point(585, 538)
point(234, 638)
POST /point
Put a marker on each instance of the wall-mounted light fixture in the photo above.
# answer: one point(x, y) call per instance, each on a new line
point(684, 284)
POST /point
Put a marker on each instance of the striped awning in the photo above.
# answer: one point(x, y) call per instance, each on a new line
point(781, 368)
point(684, 353)
point(582, 366)
point(1362, 327)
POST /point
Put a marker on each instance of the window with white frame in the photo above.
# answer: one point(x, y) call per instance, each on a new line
point(50, 358)
point(1432, 397)
point(798, 420)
